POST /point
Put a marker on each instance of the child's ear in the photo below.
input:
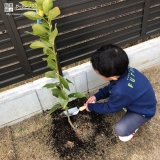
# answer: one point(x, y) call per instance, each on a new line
point(115, 77)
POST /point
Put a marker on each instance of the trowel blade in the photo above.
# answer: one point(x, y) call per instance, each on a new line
point(71, 112)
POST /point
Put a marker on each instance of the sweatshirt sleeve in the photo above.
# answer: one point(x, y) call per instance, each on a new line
point(114, 104)
point(102, 93)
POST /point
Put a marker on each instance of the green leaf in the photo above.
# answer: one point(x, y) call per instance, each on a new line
point(20, 129)
point(38, 6)
point(39, 1)
point(51, 64)
point(26, 3)
point(65, 83)
point(38, 44)
point(44, 24)
point(38, 29)
point(53, 13)
point(51, 85)
point(46, 42)
point(76, 95)
point(56, 92)
point(48, 52)
point(32, 15)
point(29, 33)
point(44, 59)
point(53, 36)
point(59, 86)
point(47, 5)
point(52, 56)
point(44, 36)
point(56, 106)
point(69, 81)
point(65, 108)
point(50, 74)
point(63, 98)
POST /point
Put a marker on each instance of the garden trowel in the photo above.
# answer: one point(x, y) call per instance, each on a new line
point(73, 111)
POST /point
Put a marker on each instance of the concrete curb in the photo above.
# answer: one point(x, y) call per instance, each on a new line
point(29, 99)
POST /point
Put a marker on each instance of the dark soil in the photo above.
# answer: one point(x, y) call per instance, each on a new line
point(72, 144)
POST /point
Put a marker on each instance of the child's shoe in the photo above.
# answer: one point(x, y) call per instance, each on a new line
point(127, 138)
point(125, 109)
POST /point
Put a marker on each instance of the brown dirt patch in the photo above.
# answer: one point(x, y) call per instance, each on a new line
point(45, 137)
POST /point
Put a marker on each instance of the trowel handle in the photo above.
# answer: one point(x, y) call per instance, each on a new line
point(82, 108)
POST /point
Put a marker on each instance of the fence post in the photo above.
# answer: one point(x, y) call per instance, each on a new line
point(145, 16)
point(16, 40)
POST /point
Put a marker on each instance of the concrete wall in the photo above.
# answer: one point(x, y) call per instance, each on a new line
point(29, 99)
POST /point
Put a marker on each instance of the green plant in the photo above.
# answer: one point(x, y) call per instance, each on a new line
point(47, 37)
point(20, 129)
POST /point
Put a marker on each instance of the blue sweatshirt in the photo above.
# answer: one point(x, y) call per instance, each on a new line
point(132, 91)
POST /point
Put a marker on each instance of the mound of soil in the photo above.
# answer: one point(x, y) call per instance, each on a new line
point(92, 129)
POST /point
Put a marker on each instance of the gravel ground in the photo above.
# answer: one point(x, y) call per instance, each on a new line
point(33, 139)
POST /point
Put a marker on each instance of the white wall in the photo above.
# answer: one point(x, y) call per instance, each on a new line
point(29, 99)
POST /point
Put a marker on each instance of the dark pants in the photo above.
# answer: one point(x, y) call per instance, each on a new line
point(129, 123)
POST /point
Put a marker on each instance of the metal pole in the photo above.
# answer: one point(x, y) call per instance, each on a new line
point(145, 17)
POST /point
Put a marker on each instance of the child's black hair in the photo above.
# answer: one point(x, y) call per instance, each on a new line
point(110, 60)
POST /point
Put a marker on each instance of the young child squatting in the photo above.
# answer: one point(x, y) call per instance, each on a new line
point(128, 88)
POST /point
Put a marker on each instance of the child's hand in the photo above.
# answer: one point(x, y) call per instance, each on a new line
point(92, 99)
point(86, 107)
